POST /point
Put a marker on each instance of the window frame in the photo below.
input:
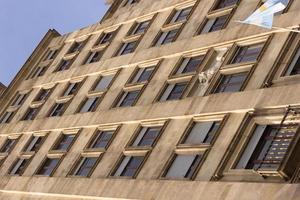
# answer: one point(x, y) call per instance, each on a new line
point(58, 141)
point(28, 142)
point(42, 163)
point(16, 162)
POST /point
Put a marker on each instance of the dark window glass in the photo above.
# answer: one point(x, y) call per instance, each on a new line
point(129, 98)
point(85, 167)
point(63, 65)
point(143, 75)
point(19, 99)
point(103, 83)
point(39, 71)
point(294, 66)
point(19, 167)
point(267, 147)
point(105, 37)
point(51, 54)
point(201, 133)
point(48, 166)
point(247, 53)
point(173, 92)
point(71, 89)
point(89, 105)
point(127, 48)
point(183, 166)
point(129, 166)
point(140, 28)
point(34, 144)
point(43, 95)
point(225, 3)
point(189, 65)
point(231, 82)
point(58, 110)
point(76, 46)
point(93, 57)
point(129, 2)
point(8, 145)
point(7, 117)
point(64, 142)
point(31, 113)
point(215, 24)
point(101, 140)
point(146, 136)
point(181, 15)
point(167, 37)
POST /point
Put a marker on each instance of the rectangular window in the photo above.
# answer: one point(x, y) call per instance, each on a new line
point(139, 28)
point(180, 15)
point(142, 75)
point(128, 98)
point(294, 66)
point(34, 144)
point(173, 91)
point(215, 24)
point(51, 54)
point(225, 3)
point(267, 147)
point(103, 83)
point(39, 71)
point(201, 133)
point(183, 166)
point(189, 65)
point(64, 142)
point(90, 104)
point(7, 117)
point(101, 140)
point(129, 2)
point(85, 166)
point(105, 38)
point(19, 99)
point(72, 89)
point(127, 48)
point(146, 137)
point(48, 167)
point(58, 109)
point(19, 166)
point(93, 57)
point(43, 95)
point(76, 47)
point(166, 37)
point(231, 82)
point(64, 65)
point(8, 145)
point(248, 53)
point(31, 113)
point(129, 166)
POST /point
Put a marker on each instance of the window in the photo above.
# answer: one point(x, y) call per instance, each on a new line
point(84, 166)
point(225, 3)
point(128, 98)
point(93, 57)
point(39, 71)
point(147, 136)
point(34, 144)
point(129, 2)
point(201, 133)
point(101, 140)
point(231, 82)
point(103, 83)
point(72, 89)
point(294, 66)
point(76, 47)
point(7, 117)
point(19, 99)
point(142, 75)
point(51, 54)
point(166, 37)
point(43, 95)
point(19, 166)
point(267, 147)
point(64, 142)
point(215, 24)
point(105, 38)
point(48, 167)
point(189, 65)
point(127, 48)
point(58, 109)
point(180, 15)
point(139, 28)
point(183, 166)
point(90, 104)
point(247, 53)
point(64, 65)
point(8, 145)
point(173, 91)
point(129, 166)
point(31, 113)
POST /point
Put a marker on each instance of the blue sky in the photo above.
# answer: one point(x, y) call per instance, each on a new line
point(23, 23)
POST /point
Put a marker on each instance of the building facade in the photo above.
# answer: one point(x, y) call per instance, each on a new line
point(162, 99)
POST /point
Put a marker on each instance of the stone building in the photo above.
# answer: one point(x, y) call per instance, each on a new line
point(2, 88)
point(162, 99)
